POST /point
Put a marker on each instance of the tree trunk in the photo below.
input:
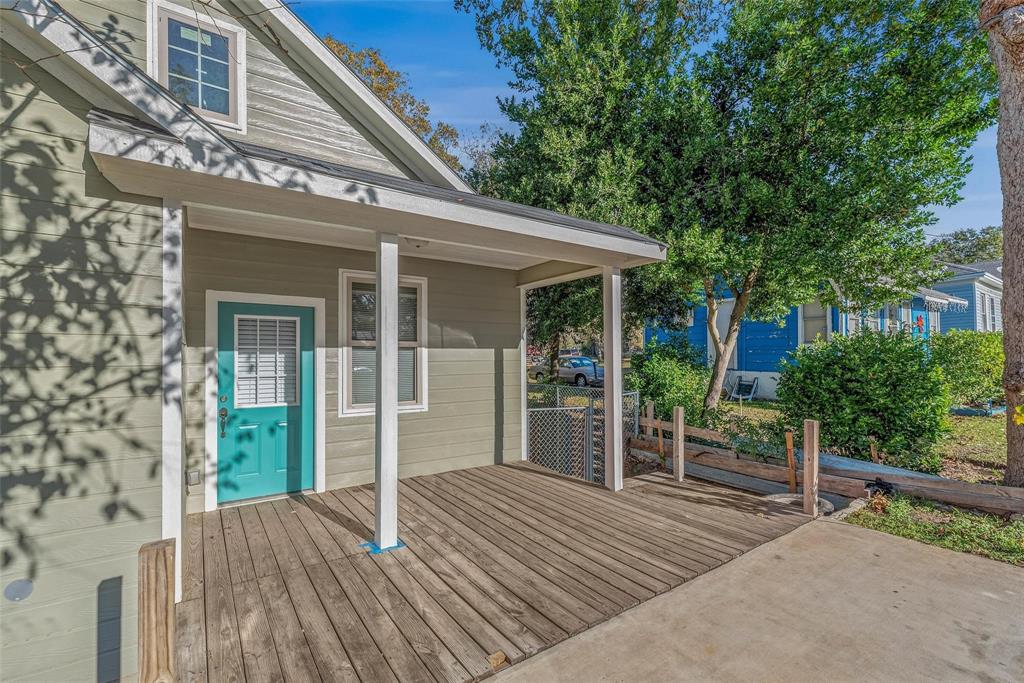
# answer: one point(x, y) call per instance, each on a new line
point(1004, 21)
point(554, 346)
point(723, 347)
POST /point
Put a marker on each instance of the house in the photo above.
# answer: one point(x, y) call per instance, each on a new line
point(232, 273)
point(980, 284)
point(761, 346)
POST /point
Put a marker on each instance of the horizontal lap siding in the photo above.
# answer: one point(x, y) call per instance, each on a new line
point(80, 372)
point(957, 317)
point(473, 357)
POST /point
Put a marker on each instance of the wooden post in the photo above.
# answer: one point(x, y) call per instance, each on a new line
point(791, 461)
point(811, 430)
point(874, 449)
point(385, 534)
point(612, 286)
point(650, 416)
point(156, 612)
point(678, 439)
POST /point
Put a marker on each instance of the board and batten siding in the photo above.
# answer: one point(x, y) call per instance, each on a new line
point(80, 421)
point(473, 367)
point(286, 109)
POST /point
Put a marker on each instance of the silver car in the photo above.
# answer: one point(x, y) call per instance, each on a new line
point(579, 370)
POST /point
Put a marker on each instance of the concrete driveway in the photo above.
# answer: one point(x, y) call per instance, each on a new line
point(827, 602)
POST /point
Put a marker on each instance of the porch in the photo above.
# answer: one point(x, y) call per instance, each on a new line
point(502, 558)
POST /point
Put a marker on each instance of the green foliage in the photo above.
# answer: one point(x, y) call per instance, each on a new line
point(670, 374)
point(947, 527)
point(970, 245)
point(972, 364)
point(869, 385)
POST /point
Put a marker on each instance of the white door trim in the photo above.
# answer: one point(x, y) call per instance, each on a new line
point(213, 299)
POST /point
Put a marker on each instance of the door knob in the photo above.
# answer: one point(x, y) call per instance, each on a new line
point(223, 421)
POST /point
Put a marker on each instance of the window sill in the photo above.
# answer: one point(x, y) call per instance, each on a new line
point(364, 412)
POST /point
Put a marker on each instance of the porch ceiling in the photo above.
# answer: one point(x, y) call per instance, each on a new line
point(300, 198)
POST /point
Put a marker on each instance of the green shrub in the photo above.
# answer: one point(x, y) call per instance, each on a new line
point(972, 364)
point(670, 374)
point(869, 384)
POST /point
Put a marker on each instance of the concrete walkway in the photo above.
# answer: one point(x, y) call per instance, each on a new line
point(827, 602)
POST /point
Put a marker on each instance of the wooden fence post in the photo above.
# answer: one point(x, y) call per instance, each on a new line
point(678, 438)
point(650, 416)
point(874, 449)
point(791, 461)
point(811, 429)
point(156, 612)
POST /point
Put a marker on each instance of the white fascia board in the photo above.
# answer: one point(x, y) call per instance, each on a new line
point(306, 48)
point(107, 144)
point(91, 54)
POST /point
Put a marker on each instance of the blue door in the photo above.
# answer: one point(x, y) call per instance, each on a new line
point(265, 400)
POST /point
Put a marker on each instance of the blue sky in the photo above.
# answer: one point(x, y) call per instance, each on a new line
point(438, 49)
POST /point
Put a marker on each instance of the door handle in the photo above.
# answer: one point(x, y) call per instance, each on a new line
point(223, 421)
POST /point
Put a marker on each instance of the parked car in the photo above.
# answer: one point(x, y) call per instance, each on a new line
point(579, 370)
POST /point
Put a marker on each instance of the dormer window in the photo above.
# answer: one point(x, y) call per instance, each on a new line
point(201, 60)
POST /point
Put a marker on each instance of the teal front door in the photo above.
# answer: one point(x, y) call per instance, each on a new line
point(265, 400)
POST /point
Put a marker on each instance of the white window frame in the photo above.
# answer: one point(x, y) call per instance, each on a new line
point(345, 280)
point(298, 361)
point(986, 322)
point(157, 9)
point(992, 312)
point(934, 323)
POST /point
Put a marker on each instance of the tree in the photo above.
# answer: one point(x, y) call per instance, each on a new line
point(1004, 22)
point(803, 149)
point(970, 245)
point(392, 87)
point(587, 74)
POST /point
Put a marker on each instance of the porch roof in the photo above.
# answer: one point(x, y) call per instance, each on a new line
point(332, 202)
point(942, 299)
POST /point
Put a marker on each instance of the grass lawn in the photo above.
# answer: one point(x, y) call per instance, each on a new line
point(975, 450)
point(947, 527)
point(758, 411)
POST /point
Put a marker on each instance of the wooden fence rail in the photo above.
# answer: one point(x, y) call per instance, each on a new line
point(156, 612)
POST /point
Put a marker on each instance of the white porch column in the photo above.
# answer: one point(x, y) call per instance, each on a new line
point(386, 533)
point(524, 426)
point(172, 491)
point(612, 378)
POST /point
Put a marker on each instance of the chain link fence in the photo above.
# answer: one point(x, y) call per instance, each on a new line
point(566, 428)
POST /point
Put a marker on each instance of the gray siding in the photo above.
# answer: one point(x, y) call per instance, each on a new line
point(80, 374)
point(473, 357)
point(286, 109)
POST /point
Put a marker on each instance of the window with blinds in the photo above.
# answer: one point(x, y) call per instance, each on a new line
point(359, 315)
point(815, 321)
point(266, 361)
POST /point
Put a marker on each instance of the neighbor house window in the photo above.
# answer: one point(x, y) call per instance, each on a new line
point(986, 317)
point(992, 313)
point(933, 322)
point(201, 60)
point(358, 335)
point(815, 321)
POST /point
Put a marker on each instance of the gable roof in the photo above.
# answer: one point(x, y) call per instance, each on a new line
point(321, 63)
point(990, 270)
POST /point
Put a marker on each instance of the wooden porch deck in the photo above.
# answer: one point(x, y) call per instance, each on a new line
point(499, 558)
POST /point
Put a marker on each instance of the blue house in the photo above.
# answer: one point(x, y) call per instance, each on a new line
point(761, 346)
point(981, 286)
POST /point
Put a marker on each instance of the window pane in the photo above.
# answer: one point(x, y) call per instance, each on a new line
point(266, 362)
point(184, 91)
point(215, 73)
point(181, 63)
point(215, 46)
point(364, 311)
point(407, 314)
point(182, 35)
point(215, 99)
point(406, 375)
point(364, 375)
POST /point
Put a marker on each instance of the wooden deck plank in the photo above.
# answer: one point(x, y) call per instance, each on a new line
point(223, 646)
point(588, 532)
point(190, 634)
point(421, 587)
point(293, 651)
point(192, 562)
point(568, 612)
point(474, 501)
point(328, 651)
point(260, 551)
point(348, 533)
point(239, 560)
point(364, 654)
point(258, 653)
point(431, 547)
point(280, 543)
point(314, 526)
point(304, 546)
point(403, 660)
point(634, 581)
point(538, 558)
point(683, 548)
